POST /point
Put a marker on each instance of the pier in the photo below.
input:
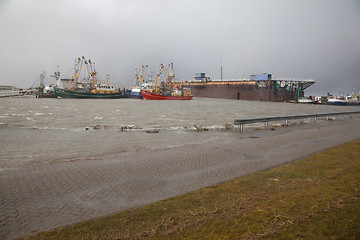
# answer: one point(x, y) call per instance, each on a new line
point(8, 91)
point(266, 120)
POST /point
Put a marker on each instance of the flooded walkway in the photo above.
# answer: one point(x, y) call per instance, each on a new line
point(50, 195)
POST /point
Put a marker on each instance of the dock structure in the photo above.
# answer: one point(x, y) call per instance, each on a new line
point(266, 120)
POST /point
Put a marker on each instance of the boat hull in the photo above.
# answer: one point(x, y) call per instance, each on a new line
point(152, 96)
point(336, 102)
point(248, 90)
point(62, 93)
point(353, 103)
point(46, 95)
point(136, 94)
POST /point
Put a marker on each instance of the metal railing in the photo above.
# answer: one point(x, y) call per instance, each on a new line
point(266, 120)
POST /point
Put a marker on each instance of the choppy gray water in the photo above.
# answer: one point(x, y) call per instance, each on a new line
point(34, 131)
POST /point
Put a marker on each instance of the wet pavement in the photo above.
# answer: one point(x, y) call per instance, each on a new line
point(50, 195)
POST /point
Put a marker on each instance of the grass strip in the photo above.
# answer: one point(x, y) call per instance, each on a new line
point(316, 197)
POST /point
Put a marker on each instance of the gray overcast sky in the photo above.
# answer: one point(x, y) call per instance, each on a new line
point(318, 39)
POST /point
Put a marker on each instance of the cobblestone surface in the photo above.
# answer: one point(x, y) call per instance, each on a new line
point(52, 195)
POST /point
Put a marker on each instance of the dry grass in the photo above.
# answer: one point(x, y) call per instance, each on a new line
point(313, 198)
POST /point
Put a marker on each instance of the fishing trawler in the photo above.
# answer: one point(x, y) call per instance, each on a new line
point(166, 88)
point(93, 89)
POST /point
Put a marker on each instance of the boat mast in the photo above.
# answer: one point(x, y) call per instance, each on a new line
point(89, 73)
point(164, 77)
point(140, 78)
point(157, 76)
point(93, 74)
point(221, 69)
point(42, 76)
point(171, 78)
point(77, 72)
point(107, 79)
point(164, 72)
point(142, 75)
point(56, 75)
point(135, 78)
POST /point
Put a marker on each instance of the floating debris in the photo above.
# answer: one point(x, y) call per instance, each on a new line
point(152, 131)
point(98, 126)
point(201, 128)
point(229, 126)
point(128, 128)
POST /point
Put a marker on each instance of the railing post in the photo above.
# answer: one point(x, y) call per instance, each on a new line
point(241, 122)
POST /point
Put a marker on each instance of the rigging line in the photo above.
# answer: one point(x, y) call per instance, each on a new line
point(178, 76)
point(100, 77)
point(67, 74)
point(34, 84)
point(128, 81)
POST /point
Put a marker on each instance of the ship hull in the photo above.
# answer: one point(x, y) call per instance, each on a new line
point(62, 93)
point(135, 93)
point(152, 96)
point(336, 102)
point(46, 95)
point(245, 90)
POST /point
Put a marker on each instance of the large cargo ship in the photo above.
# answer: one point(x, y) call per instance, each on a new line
point(261, 87)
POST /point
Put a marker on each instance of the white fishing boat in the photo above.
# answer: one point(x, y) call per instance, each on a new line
point(336, 101)
point(306, 100)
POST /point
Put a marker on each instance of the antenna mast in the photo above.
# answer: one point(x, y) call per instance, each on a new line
point(221, 69)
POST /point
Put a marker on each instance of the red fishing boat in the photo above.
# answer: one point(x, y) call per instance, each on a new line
point(166, 88)
point(153, 96)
